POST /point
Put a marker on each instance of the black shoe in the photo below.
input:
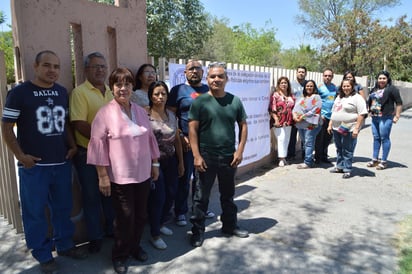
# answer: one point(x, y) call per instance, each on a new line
point(120, 267)
point(74, 253)
point(49, 267)
point(141, 255)
point(326, 160)
point(95, 246)
point(196, 240)
point(238, 232)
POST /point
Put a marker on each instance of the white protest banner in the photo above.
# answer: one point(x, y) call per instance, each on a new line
point(253, 88)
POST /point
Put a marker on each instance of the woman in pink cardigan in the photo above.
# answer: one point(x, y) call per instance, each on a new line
point(125, 152)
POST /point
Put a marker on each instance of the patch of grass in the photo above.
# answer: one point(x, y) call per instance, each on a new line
point(403, 243)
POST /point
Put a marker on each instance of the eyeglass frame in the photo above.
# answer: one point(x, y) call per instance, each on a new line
point(148, 73)
point(97, 66)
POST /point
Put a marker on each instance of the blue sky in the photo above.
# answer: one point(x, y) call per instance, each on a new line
point(277, 14)
point(281, 15)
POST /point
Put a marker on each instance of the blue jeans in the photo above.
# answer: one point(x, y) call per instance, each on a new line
point(163, 194)
point(216, 166)
point(308, 137)
point(381, 131)
point(41, 187)
point(183, 188)
point(93, 201)
point(344, 150)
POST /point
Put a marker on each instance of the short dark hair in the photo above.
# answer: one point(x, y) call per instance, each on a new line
point(40, 55)
point(301, 67)
point(92, 55)
point(120, 75)
point(328, 69)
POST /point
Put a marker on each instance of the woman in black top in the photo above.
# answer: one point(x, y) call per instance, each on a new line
point(385, 106)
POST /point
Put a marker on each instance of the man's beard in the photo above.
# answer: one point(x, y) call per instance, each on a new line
point(194, 81)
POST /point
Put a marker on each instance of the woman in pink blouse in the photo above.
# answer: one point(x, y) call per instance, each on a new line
point(125, 152)
point(280, 108)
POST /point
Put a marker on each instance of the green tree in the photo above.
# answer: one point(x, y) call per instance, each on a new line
point(346, 27)
point(256, 47)
point(2, 17)
point(304, 55)
point(396, 47)
point(6, 45)
point(220, 44)
point(176, 29)
point(241, 44)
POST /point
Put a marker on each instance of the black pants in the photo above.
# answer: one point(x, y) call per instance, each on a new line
point(217, 166)
point(130, 205)
point(323, 140)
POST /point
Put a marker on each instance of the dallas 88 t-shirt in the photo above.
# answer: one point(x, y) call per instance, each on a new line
point(40, 115)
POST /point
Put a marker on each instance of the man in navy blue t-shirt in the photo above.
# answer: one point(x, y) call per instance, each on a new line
point(180, 99)
point(43, 147)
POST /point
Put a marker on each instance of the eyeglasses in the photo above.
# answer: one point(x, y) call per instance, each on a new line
point(148, 72)
point(97, 67)
point(194, 68)
point(127, 85)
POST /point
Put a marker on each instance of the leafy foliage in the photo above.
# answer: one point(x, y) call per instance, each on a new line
point(2, 17)
point(354, 40)
point(176, 28)
point(304, 55)
point(6, 45)
point(397, 42)
point(241, 44)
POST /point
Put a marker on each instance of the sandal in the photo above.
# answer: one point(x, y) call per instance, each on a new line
point(372, 163)
point(381, 166)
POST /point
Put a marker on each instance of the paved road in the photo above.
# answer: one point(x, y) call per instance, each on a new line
point(301, 221)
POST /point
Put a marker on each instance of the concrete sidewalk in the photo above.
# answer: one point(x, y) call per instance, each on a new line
point(301, 221)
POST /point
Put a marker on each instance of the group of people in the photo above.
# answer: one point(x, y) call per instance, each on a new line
point(320, 113)
point(135, 147)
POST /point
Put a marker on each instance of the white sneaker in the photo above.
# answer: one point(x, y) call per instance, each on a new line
point(209, 215)
point(283, 163)
point(158, 243)
point(166, 231)
point(181, 220)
